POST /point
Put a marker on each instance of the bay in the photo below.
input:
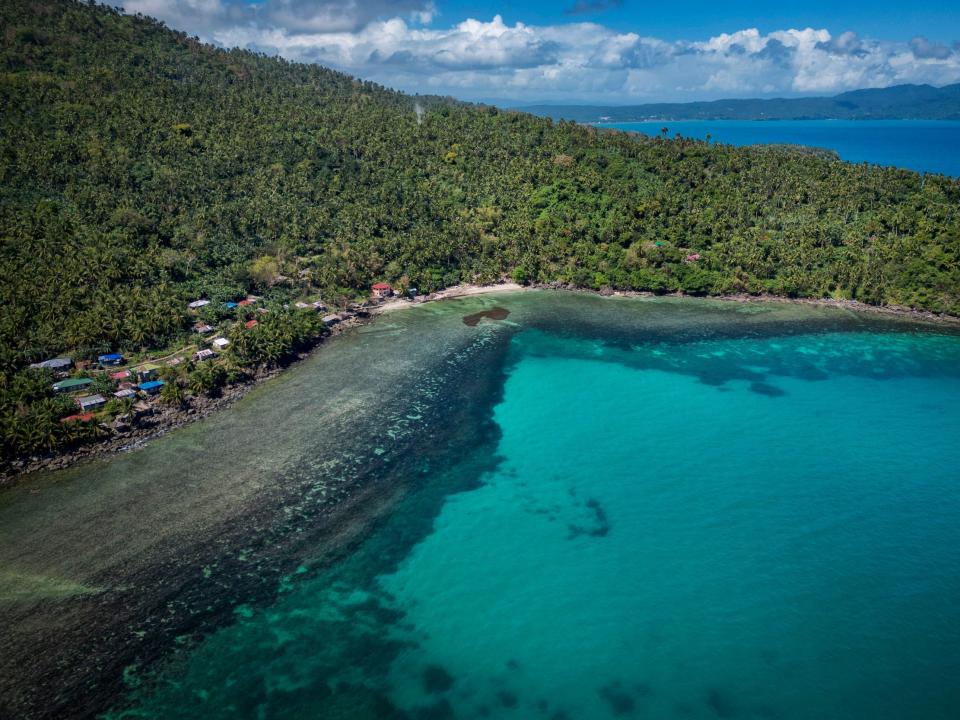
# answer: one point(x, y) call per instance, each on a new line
point(553, 505)
point(922, 145)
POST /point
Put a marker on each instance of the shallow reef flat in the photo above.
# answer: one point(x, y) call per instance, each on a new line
point(508, 505)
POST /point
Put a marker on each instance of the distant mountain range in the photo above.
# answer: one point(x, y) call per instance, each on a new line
point(900, 102)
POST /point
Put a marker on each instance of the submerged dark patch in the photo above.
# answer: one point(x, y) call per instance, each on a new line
point(762, 388)
point(619, 701)
point(497, 313)
point(600, 526)
point(720, 704)
point(507, 698)
point(436, 679)
point(438, 711)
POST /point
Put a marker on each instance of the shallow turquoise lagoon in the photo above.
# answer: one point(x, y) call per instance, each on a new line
point(758, 523)
point(660, 546)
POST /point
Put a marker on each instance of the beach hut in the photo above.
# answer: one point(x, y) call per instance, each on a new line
point(205, 354)
point(71, 384)
point(110, 359)
point(91, 402)
point(220, 343)
point(381, 290)
point(152, 387)
point(197, 304)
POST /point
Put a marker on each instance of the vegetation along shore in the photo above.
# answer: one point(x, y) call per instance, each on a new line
point(128, 427)
point(161, 198)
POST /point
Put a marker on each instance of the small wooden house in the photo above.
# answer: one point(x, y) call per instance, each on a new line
point(381, 290)
point(71, 384)
point(110, 359)
point(58, 365)
point(205, 354)
point(91, 402)
point(152, 387)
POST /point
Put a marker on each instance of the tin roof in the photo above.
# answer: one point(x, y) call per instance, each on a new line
point(71, 383)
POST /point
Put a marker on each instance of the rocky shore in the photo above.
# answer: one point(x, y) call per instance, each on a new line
point(132, 433)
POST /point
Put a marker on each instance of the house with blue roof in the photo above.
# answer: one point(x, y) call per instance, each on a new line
point(152, 387)
point(110, 359)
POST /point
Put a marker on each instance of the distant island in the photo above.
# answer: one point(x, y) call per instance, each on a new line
point(900, 102)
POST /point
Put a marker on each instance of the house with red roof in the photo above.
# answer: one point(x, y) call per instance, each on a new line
point(381, 290)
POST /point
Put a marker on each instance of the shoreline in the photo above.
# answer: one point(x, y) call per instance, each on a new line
point(166, 419)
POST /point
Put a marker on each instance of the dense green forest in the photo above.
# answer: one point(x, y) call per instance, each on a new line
point(141, 169)
point(900, 102)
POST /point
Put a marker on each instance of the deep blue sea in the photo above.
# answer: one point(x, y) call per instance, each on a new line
point(922, 145)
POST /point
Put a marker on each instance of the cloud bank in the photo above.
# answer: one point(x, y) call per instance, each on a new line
point(394, 42)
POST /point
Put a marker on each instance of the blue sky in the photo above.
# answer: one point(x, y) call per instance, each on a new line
point(596, 51)
point(936, 20)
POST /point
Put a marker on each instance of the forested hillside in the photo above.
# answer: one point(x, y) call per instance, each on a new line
point(141, 169)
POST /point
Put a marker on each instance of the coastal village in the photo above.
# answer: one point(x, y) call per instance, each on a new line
point(113, 392)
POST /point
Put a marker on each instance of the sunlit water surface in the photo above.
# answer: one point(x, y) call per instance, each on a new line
point(681, 509)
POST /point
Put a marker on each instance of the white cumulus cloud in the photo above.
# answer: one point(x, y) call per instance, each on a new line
point(395, 42)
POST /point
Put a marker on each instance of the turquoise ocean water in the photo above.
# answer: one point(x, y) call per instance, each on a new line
point(921, 145)
point(750, 522)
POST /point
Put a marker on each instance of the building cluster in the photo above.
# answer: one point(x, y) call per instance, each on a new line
point(137, 382)
point(140, 382)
